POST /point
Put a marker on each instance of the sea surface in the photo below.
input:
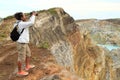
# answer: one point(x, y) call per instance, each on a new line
point(109, 47)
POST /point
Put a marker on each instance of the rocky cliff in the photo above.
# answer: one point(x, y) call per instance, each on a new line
point(105, 32)
point(71, 45)
point(72, 48)
point(102, 31)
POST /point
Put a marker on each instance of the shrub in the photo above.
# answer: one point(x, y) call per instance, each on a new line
point(9, 17)
point(44, 45)
point(52, 11)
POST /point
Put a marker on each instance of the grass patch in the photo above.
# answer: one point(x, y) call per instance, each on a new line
point(9, 17)
point(52, 11)
point(3, 35)
point(44, 45)
point(99, 38)
point(41, 11)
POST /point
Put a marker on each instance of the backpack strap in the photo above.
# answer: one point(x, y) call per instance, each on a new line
point(22, 31)
point(17, 26)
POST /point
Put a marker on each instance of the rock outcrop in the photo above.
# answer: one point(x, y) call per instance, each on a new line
point(105, 32)
point(72, 48)
point(102, 31)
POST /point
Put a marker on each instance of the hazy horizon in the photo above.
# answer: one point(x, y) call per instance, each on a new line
point(78, 9)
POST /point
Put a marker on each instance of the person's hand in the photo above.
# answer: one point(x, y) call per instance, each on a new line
point(33, 13)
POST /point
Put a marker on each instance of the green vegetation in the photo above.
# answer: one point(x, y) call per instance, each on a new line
point(115, 21)
point(44, 45)
point(9, 17)
point(3, 35)
point(41, 11)
point(52, 11)
point(5, 27)
point(99, 38)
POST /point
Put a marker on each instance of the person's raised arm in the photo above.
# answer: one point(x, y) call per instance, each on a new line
point(28, 23)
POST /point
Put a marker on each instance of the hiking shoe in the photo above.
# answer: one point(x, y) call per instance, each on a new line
point(22, 73)
point(29, 67)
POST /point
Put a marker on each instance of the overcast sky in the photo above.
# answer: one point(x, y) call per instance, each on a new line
point(78, 9)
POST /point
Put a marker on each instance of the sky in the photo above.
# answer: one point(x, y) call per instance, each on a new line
point(78, 9)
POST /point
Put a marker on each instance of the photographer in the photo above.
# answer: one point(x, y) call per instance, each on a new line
point(23, 49)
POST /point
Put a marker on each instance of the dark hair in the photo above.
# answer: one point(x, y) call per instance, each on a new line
point(18, 15)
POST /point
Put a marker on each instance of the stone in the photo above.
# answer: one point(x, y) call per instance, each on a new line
point(102, 31)
point(72, 48)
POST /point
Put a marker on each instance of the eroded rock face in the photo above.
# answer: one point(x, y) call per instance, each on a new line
point(52, 27)
point(71, 47)
point(102, 31)
point(113, 58)
point(105, 32)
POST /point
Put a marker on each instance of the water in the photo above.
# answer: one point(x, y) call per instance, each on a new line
point(109, 47)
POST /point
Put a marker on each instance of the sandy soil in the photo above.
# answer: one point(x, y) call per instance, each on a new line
point(40, 57)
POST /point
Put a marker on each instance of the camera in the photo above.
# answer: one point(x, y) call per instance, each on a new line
point(33, 12)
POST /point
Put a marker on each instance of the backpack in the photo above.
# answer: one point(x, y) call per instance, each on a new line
point(14, 35)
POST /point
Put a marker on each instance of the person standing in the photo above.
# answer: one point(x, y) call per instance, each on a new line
point(23, 49)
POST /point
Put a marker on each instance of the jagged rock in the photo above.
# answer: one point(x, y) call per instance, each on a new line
point(72, 48)
point(115, 55)
point(105, 32)
point(102, 31)
point(53, 30)
point(63, 75)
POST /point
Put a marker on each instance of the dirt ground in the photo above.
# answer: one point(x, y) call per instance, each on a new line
point(40, 57)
